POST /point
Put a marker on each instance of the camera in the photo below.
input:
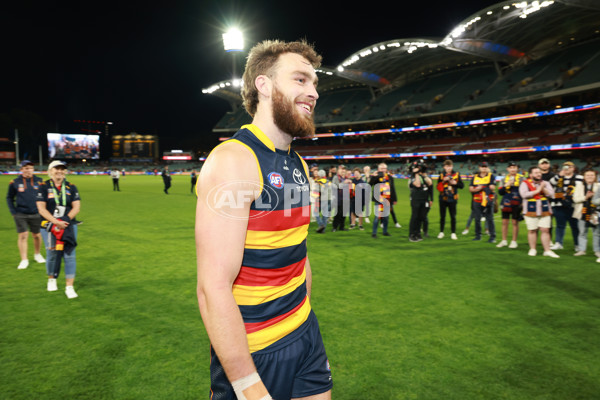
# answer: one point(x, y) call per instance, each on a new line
point(419, 165)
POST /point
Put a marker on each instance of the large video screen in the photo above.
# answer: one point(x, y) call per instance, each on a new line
point(67, 146)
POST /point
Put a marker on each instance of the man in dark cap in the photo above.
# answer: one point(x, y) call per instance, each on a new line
point(21, 195)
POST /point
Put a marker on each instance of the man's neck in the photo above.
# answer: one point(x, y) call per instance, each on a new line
point(281, 140)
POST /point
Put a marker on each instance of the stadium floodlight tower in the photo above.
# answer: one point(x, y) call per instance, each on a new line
point(233, 42)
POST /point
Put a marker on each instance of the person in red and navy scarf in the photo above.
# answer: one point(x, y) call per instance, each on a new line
point(483, 186)
point(512, 207)
point(536, 194)
point(449, 182)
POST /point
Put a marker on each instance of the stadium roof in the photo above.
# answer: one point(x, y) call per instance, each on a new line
point(506, 33)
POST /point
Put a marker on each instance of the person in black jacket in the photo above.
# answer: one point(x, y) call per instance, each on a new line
point(449, 182)
point(166, 176)
point(20, 198)
point(420, 187)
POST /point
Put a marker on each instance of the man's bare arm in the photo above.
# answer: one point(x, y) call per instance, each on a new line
point(224, 184)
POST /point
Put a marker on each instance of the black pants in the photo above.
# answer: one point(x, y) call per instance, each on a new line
point(339, 218)
point(417, 216)
point(116, 184)
point(488, 213)
point(451, 207)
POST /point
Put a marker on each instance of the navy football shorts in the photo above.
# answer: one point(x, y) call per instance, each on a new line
point(299, 369)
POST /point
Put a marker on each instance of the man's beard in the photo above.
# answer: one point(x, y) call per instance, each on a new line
point(537, 180)
point(288, 119)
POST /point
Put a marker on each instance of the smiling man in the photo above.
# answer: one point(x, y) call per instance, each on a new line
point(254, 277)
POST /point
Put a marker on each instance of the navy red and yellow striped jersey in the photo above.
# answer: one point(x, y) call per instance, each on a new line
point(270, 288)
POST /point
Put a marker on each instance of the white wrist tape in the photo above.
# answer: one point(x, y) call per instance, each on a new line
point(244, 383)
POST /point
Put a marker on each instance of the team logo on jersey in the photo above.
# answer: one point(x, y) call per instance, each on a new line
point(298, 177)
point(276, 180)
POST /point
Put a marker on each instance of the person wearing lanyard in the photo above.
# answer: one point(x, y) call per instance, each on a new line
point(58, 203)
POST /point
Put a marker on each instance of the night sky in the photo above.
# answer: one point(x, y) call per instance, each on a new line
point(143, 65)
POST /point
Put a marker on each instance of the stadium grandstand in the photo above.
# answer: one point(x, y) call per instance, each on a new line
point(516, 80)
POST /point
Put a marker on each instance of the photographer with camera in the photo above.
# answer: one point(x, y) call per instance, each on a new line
point(419, 184)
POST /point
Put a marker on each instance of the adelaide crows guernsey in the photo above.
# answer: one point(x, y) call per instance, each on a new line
point(270, 289)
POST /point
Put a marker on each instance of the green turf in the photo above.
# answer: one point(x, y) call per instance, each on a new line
point(438, 319)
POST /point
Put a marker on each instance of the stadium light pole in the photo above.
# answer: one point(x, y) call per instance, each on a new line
point(233, 42)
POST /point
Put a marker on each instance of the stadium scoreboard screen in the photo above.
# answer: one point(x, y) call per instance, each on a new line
point(177, 155)
point(73, 147)
point(134, 146)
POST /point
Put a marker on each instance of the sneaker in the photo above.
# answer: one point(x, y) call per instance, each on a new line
point(465, 232)
point(453, 236)
point(502, 243)
point(398, 225)
point(374, 235)
point(361, 228)
point(441, 235)
point(552, 254)
point(597, 253)
point(39, 258)
point(413, 239)
point(70, 292)
point(386, 234)
point(352, 226)
point(579, 253)
point(367, 220)
point(23, 264)
point(513, 245)
point(321, 229)
point(532, 252)
point(598, 260)
point(475, 239)
point(556, 246)
point(52, 285)
point(492, 241)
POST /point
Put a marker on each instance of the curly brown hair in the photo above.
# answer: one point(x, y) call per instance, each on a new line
point(263, 57)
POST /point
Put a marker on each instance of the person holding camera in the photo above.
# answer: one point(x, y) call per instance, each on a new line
point(562, 205)
point(482, 187)
point(419, 184)
point(448, 184)
point(586, 212)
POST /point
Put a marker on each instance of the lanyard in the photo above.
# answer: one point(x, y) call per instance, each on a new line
point(62, 192)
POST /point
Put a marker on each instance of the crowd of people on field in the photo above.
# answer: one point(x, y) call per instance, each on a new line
point(547, 200)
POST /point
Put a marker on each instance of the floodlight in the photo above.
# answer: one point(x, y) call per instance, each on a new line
point(233, 40)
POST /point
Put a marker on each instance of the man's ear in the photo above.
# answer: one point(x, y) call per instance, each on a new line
point(264, 85)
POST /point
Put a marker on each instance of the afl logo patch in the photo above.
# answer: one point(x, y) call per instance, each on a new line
point(276, 180)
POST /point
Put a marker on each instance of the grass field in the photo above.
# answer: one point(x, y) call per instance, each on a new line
point(438, 319)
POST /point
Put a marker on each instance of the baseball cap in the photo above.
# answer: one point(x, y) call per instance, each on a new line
point(512, 164)
point(25, 162)
point(569, 163)
point(483, 164)
point(57, 163)
point(543, 160)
